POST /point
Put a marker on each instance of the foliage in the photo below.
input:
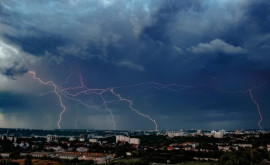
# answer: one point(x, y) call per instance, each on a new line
point(248, 156)
point(7, 162)
point(234, 158)
point(121, 149)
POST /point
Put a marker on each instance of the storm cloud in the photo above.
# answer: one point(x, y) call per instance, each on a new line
point(214, 45)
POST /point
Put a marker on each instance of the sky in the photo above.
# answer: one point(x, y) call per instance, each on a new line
point(153, 64)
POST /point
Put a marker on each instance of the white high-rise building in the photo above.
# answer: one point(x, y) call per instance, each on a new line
point(178, 133)
point(218, 134)
point(51, 138)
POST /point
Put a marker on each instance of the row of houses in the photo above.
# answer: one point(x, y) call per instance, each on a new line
point(216, 134)
point(96, 157)
point(187, 146)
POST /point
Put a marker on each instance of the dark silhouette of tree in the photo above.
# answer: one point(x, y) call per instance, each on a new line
point(28, 160)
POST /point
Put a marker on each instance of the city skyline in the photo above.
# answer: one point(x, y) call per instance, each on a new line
point(135, 65)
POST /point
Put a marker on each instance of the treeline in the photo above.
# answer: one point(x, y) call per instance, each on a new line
point(244, 157)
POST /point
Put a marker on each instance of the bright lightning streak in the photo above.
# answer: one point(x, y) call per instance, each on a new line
point(84, 90)
point(58, 90)
point(249, 91)
point(131, 107)
point(51, 83)
point(72, 93)
point(112, 117)
point(258, 108)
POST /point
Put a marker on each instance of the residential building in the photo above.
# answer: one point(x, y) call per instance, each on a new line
point(134, 141)
point(68, 156)
point(5, 155)
point(52, 138)
point(82, 149)
point(93, 140)
point(72, 138)
point(123, 139)
point(42, 154)
point(178, 133)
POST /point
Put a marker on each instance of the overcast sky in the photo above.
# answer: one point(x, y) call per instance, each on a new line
point(217, 49)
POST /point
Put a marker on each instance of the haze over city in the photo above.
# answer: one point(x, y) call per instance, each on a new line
point(134, 65)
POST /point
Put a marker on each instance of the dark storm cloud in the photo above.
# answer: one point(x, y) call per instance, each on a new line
point(38, 45)
point(9, 100)
point(259, 16)
point(11, 72)
point(224, 44)
point(98, 22)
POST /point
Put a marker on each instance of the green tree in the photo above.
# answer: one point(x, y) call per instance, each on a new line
point(256, 155)
point(234, 158)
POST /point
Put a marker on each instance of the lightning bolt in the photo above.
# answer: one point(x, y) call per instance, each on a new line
point(249, 91)
point(258, 108)
point(56, 91)
point(73, 94)
point(133, 109)
point(83, 89)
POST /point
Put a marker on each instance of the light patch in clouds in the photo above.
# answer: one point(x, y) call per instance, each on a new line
point(178, 49)
point(217, 45)
point(13, 60)
point(203, 20)
point(131, 65)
